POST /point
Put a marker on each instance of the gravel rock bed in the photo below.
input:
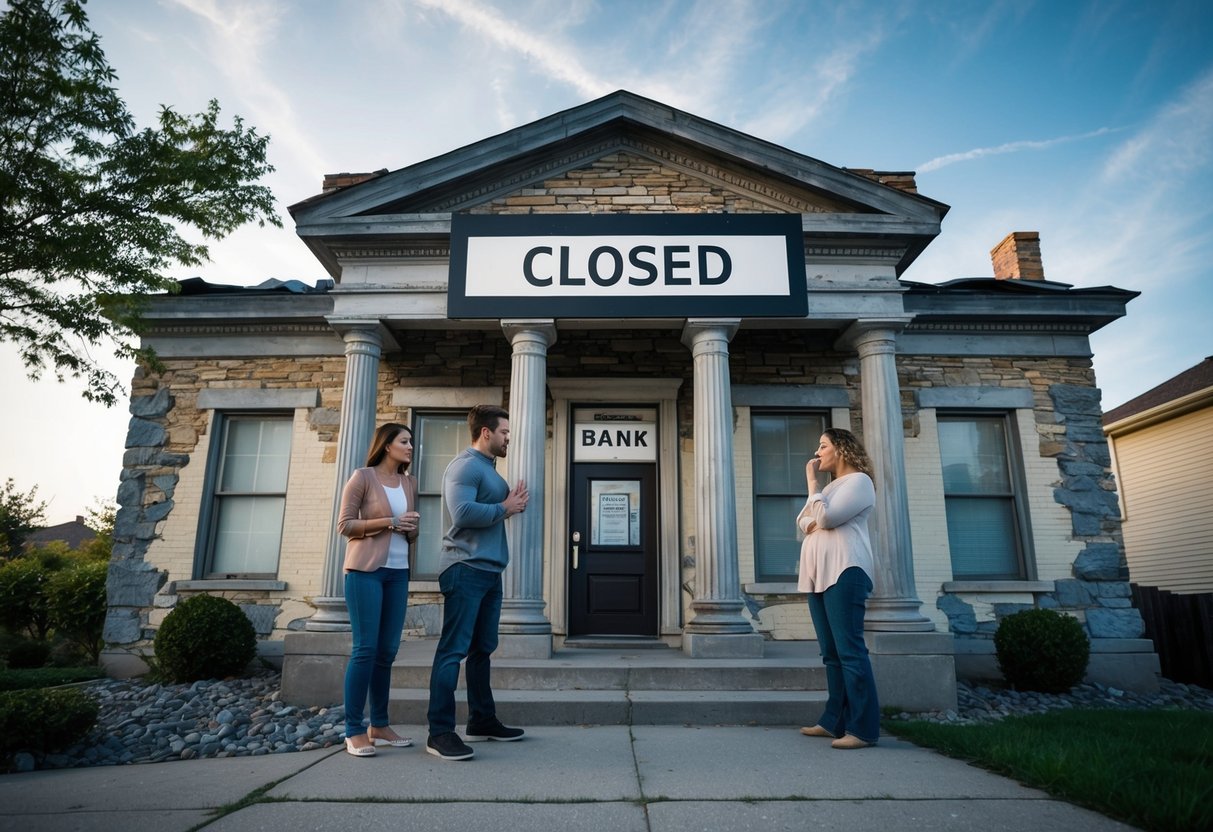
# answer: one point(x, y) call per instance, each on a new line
point(142, 723)
point(982, 704)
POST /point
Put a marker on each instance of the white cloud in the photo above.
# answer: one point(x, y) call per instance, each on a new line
point(1010, 147)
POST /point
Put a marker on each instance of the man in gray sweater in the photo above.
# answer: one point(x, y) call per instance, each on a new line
point(474, 554)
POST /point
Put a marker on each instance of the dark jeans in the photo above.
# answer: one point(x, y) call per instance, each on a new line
point(837, 614)
point(470, 616)
point(376, 601)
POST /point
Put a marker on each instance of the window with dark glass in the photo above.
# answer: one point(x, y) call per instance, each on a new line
point(983, 497)
point(781, 443)
point(248, 496)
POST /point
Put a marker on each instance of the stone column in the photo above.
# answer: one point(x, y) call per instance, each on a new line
point(894, 604)
point(913, 664)
point(718, 629)
point(525, 630)
point(363, 345)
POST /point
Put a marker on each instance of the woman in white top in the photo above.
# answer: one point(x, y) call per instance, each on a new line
point(836, 569)
point(379, 519)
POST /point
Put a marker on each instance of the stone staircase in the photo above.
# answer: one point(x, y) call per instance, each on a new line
point(606, 683)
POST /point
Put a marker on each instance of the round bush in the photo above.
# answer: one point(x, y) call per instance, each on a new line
point(204, 637)
point(1042, 650)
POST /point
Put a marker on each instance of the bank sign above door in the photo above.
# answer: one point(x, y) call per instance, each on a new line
point(627, 266)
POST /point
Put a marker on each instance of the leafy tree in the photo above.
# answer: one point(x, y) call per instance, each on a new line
point(23, 585)
point(20, 514)
point(101, 520)
point(76, 602)
point(91, 208)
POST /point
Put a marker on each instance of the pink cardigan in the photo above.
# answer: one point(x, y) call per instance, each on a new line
point(362, 500)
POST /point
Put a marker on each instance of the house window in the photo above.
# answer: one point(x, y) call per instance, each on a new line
point(782, 441)
point(983, 497)
point(440, 437)
point(249, 496)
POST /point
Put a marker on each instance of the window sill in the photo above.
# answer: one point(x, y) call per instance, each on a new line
point(998, 586)
point(772, 588)
point(234, 584)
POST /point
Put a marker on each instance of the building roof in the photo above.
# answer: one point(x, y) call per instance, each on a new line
point(1192, 380)
point(417, 201)
point(73, 533)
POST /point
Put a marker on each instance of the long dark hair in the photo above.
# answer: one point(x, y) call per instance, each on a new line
point(384, 436)
point(851, 449)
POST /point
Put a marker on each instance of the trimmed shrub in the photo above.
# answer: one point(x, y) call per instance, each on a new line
point(45, 720)
point(204, 637)
point(1042, 650)
point(76, 602)
point(28, 653)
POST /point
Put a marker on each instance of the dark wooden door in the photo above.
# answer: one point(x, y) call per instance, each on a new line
point(612, 551)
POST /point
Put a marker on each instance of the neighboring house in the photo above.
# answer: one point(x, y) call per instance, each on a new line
point(74, 533)
point(1162, 456)
point(672, 311)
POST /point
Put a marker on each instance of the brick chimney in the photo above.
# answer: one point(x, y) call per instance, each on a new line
point(902, 180)
point(337, 181)
point(1017, 257)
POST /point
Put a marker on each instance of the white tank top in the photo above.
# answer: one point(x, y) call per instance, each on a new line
point(398, 549)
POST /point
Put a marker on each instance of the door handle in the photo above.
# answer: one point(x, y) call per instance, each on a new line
point(576, 549)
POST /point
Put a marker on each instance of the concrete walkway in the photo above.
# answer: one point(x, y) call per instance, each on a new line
point(636, 778)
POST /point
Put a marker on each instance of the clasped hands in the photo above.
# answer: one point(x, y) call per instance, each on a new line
point(406, 523)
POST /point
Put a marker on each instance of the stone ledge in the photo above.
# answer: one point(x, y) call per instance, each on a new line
point(997, 586)
point(227, 585)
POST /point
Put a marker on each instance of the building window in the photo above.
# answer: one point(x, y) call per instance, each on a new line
point(248, 499)
point(440, 437)
point(983, 497)
point(782, 441)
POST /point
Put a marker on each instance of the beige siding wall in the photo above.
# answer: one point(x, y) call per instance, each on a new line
point(1165, 473)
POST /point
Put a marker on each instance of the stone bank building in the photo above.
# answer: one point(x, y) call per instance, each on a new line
point(672, 312)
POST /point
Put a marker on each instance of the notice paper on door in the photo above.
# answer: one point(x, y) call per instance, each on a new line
point(614, 514)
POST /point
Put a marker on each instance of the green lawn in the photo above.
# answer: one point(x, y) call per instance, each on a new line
point(1149, 768)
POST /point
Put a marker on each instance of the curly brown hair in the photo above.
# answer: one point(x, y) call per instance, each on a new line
point(850, 449)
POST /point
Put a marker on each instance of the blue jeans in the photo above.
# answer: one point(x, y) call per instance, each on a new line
point(470, 616)
point(837, 614)
point(376, 601)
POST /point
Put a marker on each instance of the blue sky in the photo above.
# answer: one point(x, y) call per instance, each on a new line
point(1090, 122)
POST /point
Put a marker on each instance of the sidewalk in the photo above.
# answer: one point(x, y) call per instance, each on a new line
point(639, 778)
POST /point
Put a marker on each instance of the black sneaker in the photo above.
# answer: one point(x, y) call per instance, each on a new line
point(493, 731)
point(448, 746)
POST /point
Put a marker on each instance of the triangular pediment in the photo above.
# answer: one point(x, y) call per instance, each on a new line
point(579, 159)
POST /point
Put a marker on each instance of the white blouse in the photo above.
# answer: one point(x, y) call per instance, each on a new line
point(835, 522)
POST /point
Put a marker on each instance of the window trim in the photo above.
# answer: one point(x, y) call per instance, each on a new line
point(418, 580)
point(1013, 451)
point(204, 539)
point(762, 578)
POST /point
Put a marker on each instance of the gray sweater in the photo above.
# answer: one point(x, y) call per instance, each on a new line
point(473, 492)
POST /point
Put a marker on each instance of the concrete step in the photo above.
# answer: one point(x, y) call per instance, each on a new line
point(626, 685)
point(786, 666)
point(408, 706)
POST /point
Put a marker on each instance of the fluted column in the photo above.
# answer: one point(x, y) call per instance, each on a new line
point(526, 630)
point(363, 346)
point(894, 605)
point(717, 628)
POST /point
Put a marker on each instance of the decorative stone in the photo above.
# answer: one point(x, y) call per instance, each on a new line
point(122, 626)
point(1114, 623)
point(144, 434)
point(130, 493)
point(132, 584)
point(1098, 562)
point(262, 617)
point(1076, 399)
point(151, 406)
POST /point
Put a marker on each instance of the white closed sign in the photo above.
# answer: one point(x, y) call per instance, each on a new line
point(615, 442)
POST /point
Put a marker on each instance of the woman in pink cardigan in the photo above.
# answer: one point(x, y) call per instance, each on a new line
point(379, 518)
point(836, 569)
